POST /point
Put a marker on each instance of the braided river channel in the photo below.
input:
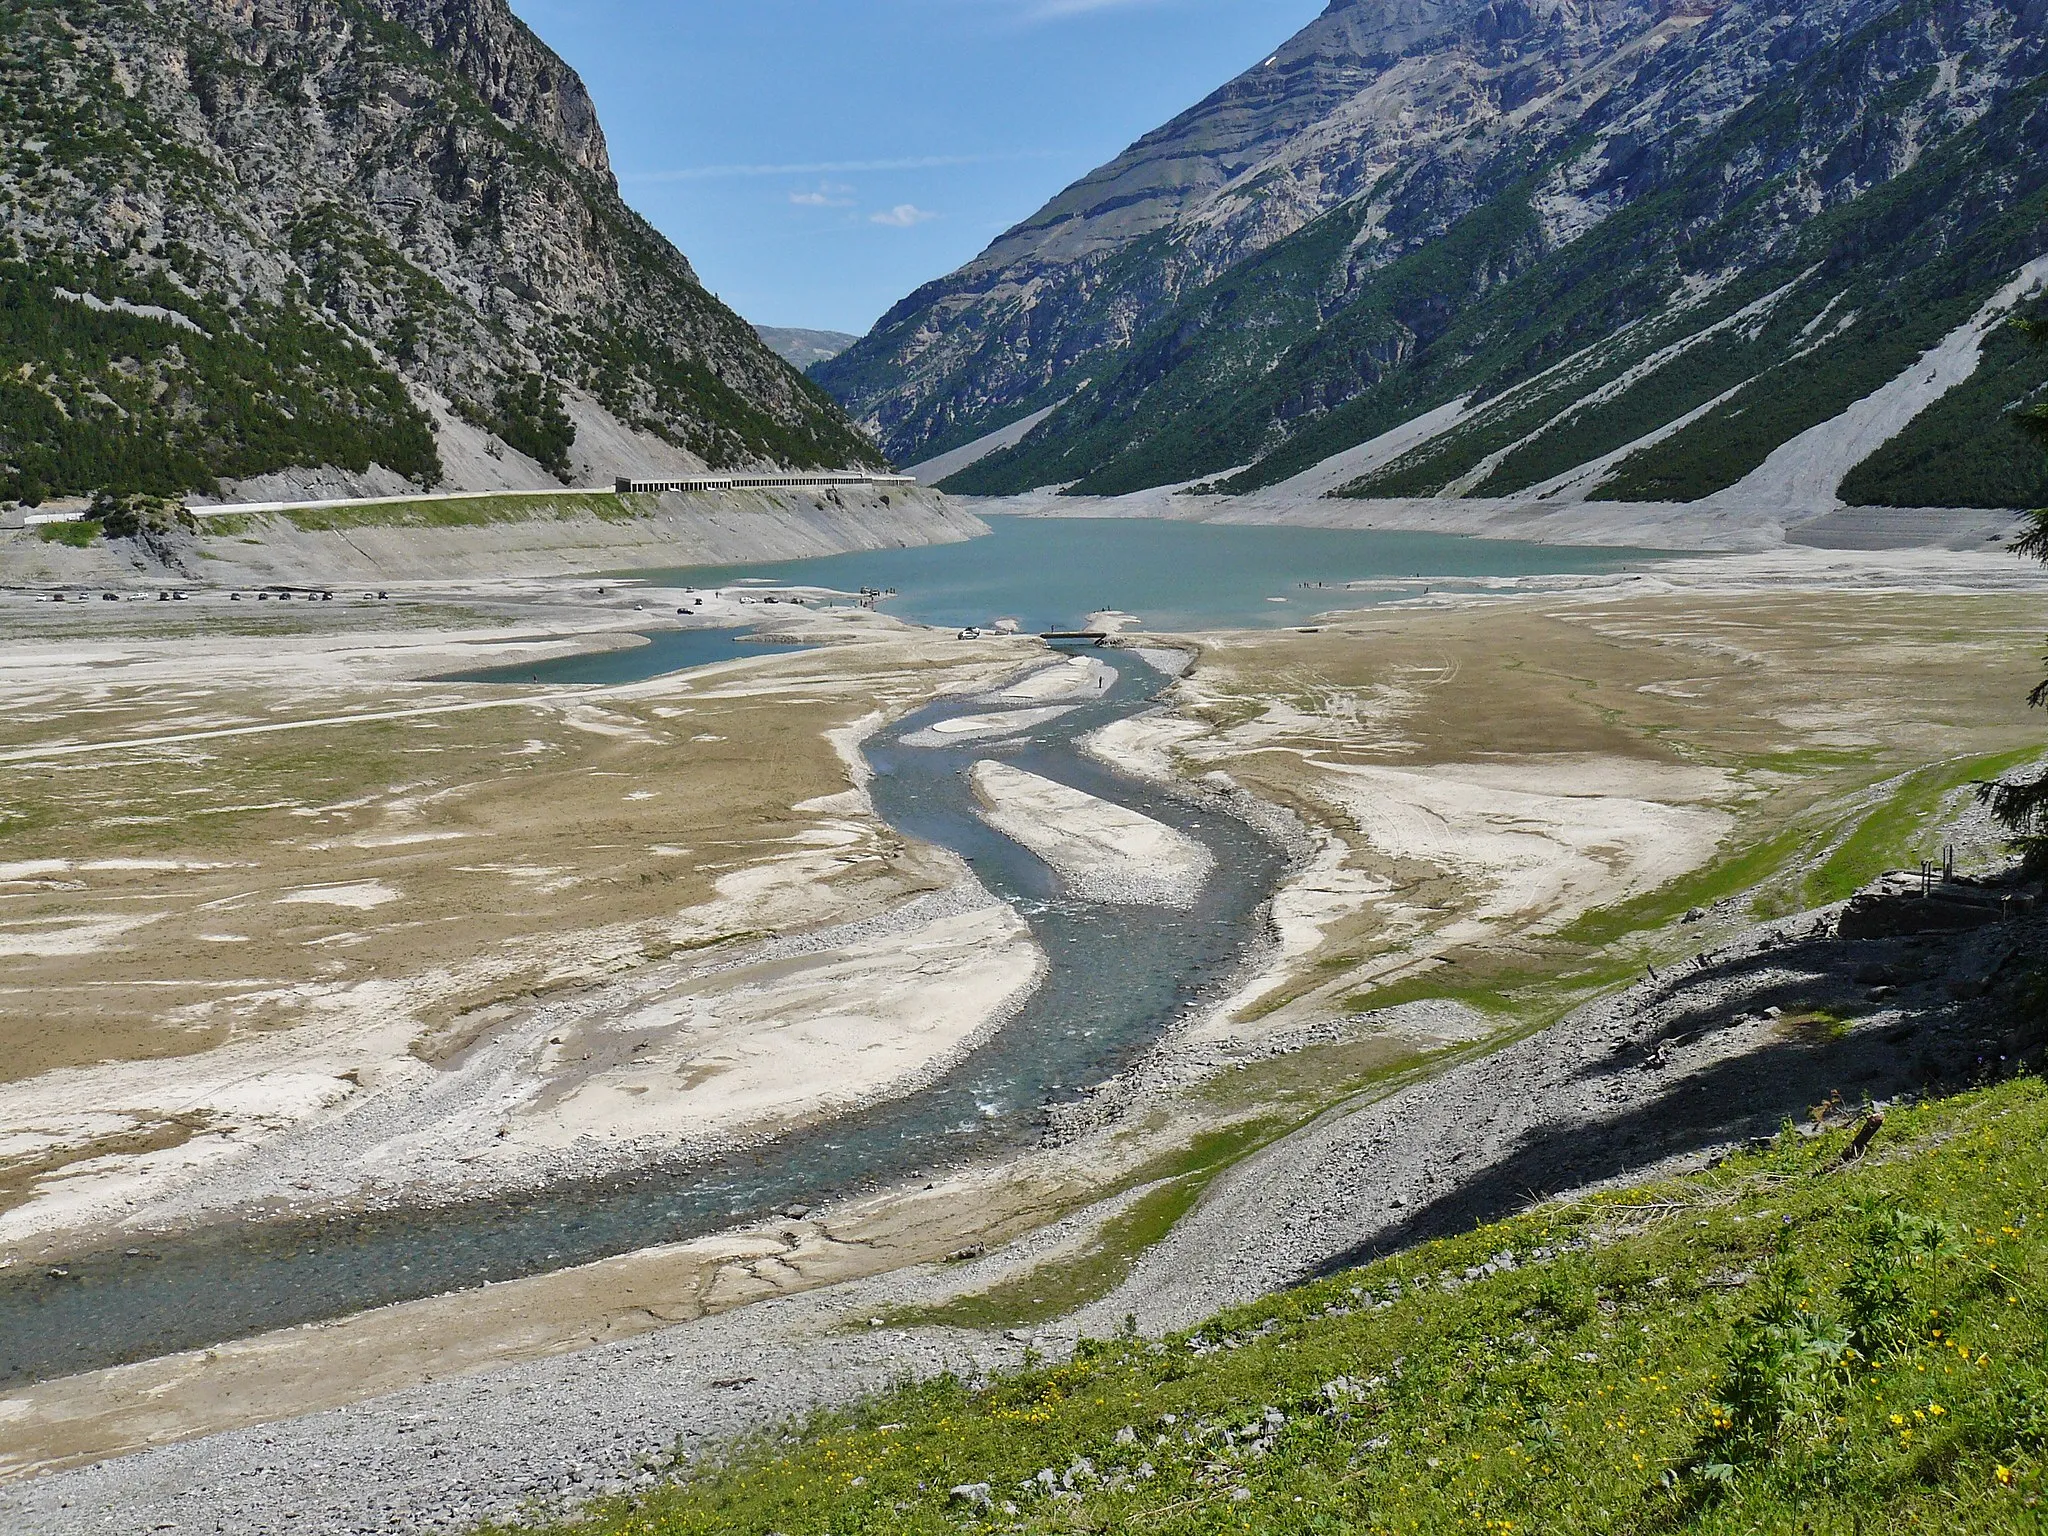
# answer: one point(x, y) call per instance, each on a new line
point(1117, 976)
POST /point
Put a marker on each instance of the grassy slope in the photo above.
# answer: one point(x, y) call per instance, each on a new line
point(1776, 1345)
point(466, 512)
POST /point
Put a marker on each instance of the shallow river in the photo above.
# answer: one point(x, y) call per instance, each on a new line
point(1117, 978)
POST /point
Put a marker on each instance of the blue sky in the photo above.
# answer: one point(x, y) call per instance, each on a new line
point(818, 159)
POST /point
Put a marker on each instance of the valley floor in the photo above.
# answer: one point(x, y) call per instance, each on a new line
point(305, 934)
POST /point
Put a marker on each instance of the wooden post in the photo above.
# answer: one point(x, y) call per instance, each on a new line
point(1865, 1134)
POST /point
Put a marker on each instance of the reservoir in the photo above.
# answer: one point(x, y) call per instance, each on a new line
point(1053, 572)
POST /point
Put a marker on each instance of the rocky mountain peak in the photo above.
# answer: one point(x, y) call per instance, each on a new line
point(519, 77)
point(346, 235)
point(1416, 203)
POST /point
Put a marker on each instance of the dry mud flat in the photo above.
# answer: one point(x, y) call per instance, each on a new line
point(1483, 774)
point(1478, 780)
point(284, 929)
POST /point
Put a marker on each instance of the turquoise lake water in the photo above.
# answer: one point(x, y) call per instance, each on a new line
point(665, 651)
point(1052, 572)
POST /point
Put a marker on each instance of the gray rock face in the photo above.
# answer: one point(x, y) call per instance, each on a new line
point(1370, 90)
point(513, 72)
point(421, 182)
point(1419, 201)
point(801, 348)
point(1242, 168)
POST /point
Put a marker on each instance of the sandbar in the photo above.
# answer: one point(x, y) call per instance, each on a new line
point(1104, 852)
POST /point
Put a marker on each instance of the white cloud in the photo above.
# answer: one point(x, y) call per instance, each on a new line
point(903, 216)
point(825, 195)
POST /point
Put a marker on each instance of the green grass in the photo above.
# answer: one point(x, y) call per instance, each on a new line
point(470, 512)
point(1779, 1345)
point(1742, 870)
point(73, 535)
point(1894, 832)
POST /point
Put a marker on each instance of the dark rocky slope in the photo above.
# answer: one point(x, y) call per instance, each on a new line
point(238, 236)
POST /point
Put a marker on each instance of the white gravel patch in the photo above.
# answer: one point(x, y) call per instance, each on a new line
point(1103, 852)
point(965, 728)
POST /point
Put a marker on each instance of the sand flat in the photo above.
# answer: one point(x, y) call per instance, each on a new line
point(965, 728)
point(1075, 675)
point(861, 1022)
point(1104, 852)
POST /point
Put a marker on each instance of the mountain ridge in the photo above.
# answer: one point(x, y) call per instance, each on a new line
point(803, 348)
point(1508, 186)
point(374, 241)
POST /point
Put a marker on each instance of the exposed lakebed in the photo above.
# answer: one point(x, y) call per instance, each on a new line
point(1117, 977)
point(1118, 974)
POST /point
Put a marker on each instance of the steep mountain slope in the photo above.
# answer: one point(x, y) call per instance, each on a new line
point(1645, 244)
point(238, 236)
